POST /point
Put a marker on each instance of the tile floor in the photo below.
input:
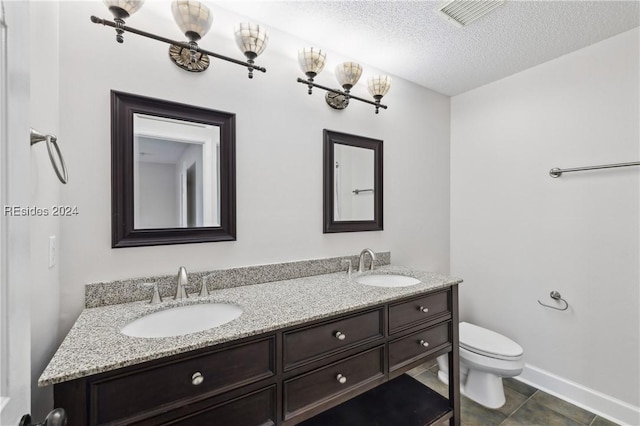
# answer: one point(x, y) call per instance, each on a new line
point(525, 406)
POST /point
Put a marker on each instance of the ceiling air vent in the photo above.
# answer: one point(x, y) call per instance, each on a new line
point(463, 12)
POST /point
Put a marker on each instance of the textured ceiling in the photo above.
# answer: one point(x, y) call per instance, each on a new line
point(411, 40)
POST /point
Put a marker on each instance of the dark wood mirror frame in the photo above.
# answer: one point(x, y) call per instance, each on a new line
point(330, 224)
point(123, 108)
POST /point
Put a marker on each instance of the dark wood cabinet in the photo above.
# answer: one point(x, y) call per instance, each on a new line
point(323, 385)
point(256, 409)
point(308, 343)
point(286, 377)
point(190, 377)
point(418, 345)
point(419, 310)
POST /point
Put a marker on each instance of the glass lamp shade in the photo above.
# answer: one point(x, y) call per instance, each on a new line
point(379, 85)
point(251, 39)
point(311, 60)
point(123, 8)
point(193, 18)
point(348, 74)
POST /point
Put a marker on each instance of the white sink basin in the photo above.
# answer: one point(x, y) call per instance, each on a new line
point(382, 280)
point(182, 320)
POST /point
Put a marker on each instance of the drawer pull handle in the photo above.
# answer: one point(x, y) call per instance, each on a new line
point(423, 309)
point(340, 336)
point(341, 379)
point(197, 378)
point(424, 344)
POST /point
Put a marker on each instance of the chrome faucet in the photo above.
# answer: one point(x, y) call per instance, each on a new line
point(349, 268)
point(155, 298)
point(204, 291)
point(182, 280)
point(361, 262)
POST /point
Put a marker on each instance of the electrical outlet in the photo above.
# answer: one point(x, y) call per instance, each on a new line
point(53, 251)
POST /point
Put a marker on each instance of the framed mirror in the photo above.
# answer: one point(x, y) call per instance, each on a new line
point(352, 183)
point(172, 173)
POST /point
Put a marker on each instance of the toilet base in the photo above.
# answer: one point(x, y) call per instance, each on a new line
point(443, 376)
point(484, 388)
point(480, 386)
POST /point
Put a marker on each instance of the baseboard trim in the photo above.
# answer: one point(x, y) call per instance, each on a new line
point(597, 402)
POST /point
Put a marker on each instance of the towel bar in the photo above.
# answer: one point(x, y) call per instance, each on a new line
point(556, 173)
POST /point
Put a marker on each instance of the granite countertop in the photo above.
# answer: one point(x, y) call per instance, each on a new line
point(95, 345)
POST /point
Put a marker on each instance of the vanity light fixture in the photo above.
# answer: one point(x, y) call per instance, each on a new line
point(312, 61)
point(194, 20)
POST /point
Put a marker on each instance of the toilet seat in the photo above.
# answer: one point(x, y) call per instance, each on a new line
point(488, 343)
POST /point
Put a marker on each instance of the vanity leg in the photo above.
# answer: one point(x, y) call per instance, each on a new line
point(279, 382)
point(72, 396)
point(454, 360)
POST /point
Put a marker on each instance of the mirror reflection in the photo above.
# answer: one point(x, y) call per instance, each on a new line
point(176, 173)
point(173, 169)
point(352, 174)
point(353, 183)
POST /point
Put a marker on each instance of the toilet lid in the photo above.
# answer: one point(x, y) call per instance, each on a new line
point(486, 342)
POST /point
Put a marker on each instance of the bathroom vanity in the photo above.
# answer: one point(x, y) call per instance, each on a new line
point(332, 352)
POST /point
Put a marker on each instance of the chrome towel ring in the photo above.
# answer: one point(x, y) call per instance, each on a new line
point(51, 141)
point(556, 296)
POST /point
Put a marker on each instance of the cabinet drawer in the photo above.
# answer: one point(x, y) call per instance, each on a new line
point(129, 394)
point(306, 344)
point(417, 345)
point(320, 386)
point(256, 409)
point(413, 312)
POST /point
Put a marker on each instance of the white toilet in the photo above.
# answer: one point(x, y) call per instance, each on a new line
point(485, 358)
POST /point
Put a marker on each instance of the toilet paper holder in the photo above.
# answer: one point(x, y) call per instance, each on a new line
point(558, 297)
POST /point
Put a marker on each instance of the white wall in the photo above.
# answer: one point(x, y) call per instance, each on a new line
point(15, 389)
point(355, 171)
point(191, 156)
point(517, 234)
point(158, 196)
point(279, 153)
point(45, 193)
point(362, 177)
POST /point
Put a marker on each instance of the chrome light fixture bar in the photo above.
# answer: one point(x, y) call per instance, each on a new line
point(312, 61)
point(194, 20)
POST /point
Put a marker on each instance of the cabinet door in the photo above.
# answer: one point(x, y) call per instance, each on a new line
point(255, 409)
point(310, 343)
point(323, 385)
point(140, 393)
point(418, 345)
point(433, 307)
